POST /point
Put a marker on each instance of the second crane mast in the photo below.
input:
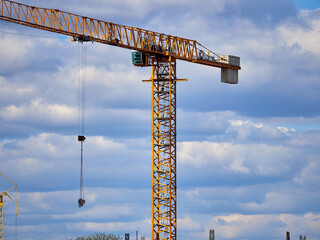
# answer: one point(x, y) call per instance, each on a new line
point(13, 199)
point(157, 50)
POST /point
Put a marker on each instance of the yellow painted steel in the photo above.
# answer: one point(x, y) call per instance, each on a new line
point(164, 187)
point(1, 216)
point(89, 29)
point(2, 195)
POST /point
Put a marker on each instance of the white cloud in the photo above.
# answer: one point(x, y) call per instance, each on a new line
point(248, 130)
point(110, 226)
point(308, 224)
point(102, 227)
point(244, 128)
point(38, 112)
point(305, 35)
point(285, 130)
point(258, 159)
point(99, 212)
point(188, 224)
point(15, 53)
point(236, 166)
point(272, 226)
point(99, 143)
point(239, 123)
point(44, 155)
point(211, 122)
point(253, 198)
point(278, 201)
point(309, 175)
point(119, 82)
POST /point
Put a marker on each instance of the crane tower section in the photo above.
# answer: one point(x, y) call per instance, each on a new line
point(1, 216)
point(164, 215)
point(13, 199)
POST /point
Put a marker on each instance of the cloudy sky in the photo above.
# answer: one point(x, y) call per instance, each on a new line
point(248, 154)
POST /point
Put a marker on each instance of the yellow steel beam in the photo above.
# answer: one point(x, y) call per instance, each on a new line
point(90, 29)
point(164, 217)
point(6, 193)
point(1, 216)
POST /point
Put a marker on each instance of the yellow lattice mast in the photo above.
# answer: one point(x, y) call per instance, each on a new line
point(2, 196)
point(149, 49)
point(164, 187)
point(1, 216)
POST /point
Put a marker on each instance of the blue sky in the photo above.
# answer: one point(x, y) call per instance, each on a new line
point(312, 4)
point(248, 154)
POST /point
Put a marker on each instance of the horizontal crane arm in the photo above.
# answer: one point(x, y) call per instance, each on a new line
point(89, 29)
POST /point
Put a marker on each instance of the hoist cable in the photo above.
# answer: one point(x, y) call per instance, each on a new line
point(81, 174)
point(82, 65)
point(79, 89)
point(84, 83)
point(82, 92)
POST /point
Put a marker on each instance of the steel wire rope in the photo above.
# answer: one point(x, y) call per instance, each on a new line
point(84, 87)
point(82, 65)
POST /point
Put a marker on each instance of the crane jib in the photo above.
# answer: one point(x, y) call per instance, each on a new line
point(90, 29)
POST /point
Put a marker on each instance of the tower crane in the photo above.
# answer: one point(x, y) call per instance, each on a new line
point(149, 49)
point(2, 195)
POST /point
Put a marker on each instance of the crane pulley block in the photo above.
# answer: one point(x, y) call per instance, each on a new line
point(81, 202)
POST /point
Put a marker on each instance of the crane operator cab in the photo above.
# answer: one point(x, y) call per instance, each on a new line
point(140, 59)
point(137, 58)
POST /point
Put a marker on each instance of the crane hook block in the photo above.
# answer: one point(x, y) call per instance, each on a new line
point(81, 138)
point(81, 202)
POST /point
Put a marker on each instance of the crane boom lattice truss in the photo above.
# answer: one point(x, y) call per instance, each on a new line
point(157, 50)
point(90, 29)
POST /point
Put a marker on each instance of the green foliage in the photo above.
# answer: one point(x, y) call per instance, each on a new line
point(98, 236)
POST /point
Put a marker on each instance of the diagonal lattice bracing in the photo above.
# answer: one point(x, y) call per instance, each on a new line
point(164, 220)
